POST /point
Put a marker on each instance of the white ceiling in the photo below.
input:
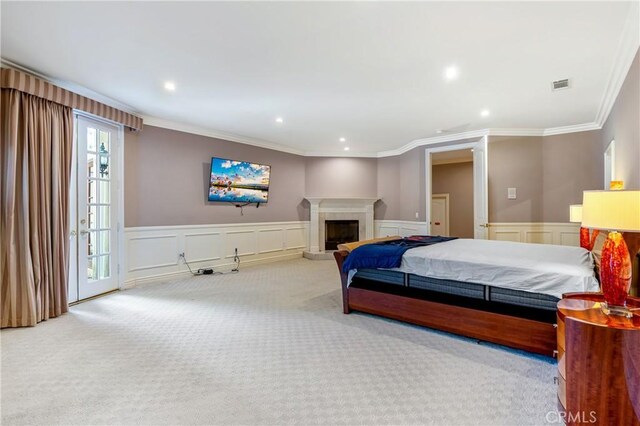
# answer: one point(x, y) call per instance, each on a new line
point(371, 72)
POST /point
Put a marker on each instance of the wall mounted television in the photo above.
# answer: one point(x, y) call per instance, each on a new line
point(238, 181)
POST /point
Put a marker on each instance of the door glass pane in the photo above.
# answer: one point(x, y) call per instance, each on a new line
point(91, 243)
point(91, 191)
point(91, 139)
point(104, 269)
point(104, 166)
point(105, 191)
point(92, 217)
point(91, 166)
point(104, 141)
point(92, 268)
point(104, 241)
point(104, 218)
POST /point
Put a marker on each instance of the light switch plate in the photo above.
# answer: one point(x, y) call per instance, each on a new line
point(511, 193)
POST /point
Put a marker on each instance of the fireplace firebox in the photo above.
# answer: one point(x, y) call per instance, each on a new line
point(338, 232)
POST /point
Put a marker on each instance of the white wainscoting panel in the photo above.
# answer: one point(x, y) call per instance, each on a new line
point(566, 234)
point(203, 246)
point(404, 228)
point(141, 258)
point(270, 240)
point(152, 252)
point(296, 237)
point(244, 240)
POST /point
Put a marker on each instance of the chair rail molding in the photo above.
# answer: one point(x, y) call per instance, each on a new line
point(153, 252)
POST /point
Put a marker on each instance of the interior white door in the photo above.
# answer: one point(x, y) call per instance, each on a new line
point(96, 213)
point(480, 191)
point(439, 216)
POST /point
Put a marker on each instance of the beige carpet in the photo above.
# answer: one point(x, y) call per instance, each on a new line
point(269, 345)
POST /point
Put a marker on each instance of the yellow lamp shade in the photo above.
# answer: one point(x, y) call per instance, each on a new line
point(575, 213)
point(611, 210)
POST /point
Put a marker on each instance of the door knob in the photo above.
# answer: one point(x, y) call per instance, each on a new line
point(73, 233)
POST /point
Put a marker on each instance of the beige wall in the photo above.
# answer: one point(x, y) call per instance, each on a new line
point(623, 126)
point(340, 177)
point(401, 185)
point(571, 163)
point(457, 181)
point(549, 173)
point(515, 162)
point(167, 179)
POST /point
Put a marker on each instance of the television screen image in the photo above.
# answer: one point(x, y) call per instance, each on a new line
point(238, 181)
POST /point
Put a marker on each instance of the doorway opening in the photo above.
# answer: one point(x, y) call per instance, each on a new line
point(452, 198)
point(456, 176)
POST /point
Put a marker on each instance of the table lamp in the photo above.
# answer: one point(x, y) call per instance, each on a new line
point(575, 216)
point(614, 211)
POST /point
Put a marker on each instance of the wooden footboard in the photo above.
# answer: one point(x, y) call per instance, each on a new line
point(521, 333)
point(340, 256)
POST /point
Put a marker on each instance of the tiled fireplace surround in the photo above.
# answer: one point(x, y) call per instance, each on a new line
point(322, 209)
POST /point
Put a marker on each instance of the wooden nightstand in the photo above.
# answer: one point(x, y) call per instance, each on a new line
point(598, 362)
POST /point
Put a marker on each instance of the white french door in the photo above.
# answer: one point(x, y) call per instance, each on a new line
point(94, 204)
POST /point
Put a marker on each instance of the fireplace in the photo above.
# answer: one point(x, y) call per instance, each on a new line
point(358, 210)
point(340, 231)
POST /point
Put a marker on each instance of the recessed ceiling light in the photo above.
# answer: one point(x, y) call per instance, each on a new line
point(170, 86)
point(346, 148)
point(343, 140)
point(485, 113)
point(438, 131)
point(279, 120)
point(451, 72)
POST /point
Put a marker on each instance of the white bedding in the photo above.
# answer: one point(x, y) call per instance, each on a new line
point(538, 268)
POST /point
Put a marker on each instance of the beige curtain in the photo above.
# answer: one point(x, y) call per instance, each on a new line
point(35, 165)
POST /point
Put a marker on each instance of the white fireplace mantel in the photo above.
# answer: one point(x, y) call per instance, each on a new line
point(337, 205)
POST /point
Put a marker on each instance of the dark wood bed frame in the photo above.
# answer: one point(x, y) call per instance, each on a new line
point(520, 333)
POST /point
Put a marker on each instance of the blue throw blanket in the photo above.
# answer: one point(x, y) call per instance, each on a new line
point(387, 254)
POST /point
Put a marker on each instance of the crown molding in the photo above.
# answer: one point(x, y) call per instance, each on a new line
point(455, 137)
point(625, 53)
point(585, 127)
point(202, 131)
point(73, 87)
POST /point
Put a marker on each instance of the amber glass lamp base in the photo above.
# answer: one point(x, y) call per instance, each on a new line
point(588, 240)
point(615, 273)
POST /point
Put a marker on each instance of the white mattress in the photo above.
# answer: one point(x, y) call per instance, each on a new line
point(538, 268)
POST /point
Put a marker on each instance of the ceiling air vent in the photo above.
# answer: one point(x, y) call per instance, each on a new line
point(560, 84)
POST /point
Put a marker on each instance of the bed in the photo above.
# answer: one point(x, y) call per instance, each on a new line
point(497, 291)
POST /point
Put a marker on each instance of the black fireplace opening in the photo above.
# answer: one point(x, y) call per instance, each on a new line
point(339, 232)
